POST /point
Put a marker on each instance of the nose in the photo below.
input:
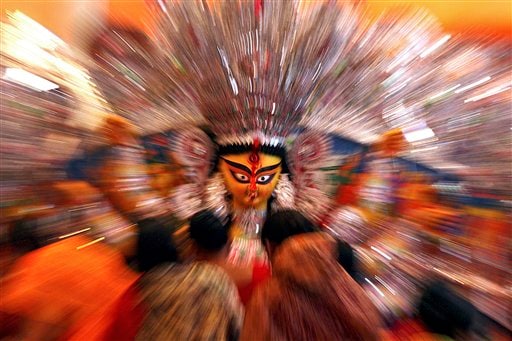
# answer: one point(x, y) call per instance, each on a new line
point(252, 190)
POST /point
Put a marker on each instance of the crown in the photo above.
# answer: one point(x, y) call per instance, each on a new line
point(251, 68)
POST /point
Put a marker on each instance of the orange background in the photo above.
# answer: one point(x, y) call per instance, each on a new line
point(61, 17)
point(461, 16)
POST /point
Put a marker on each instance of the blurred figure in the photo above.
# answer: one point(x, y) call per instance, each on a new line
point(445, 314)
point(347, 259)
point(153, 247)
point(310, 297)
point(173, 301)
point(189, 302)
point(66, 290)
point(123, 176)
point(23, 237)
point(154, 244)
point(442, 315)
point(211, 238)
point(282, 225)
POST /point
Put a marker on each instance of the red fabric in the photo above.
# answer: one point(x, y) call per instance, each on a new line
point(128, 317)
point(409, 330)
point(66, 288)
point(260, 273)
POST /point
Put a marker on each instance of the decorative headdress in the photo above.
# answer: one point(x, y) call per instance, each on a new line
point(251, 68)
point(254, 70)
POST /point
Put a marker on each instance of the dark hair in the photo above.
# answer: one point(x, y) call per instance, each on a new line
point(209, 233)
point(347, 258)
point(23, 235)
point(154, 245)
point(244, 148)
point(445, 312)
point(283, 224)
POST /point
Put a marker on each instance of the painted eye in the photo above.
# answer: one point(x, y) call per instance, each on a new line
point(265, 179)
point(241, 177)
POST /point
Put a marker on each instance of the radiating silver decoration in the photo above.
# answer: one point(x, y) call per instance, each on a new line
point(185, 200)
point(255, 65)
point(257, 68)
point(50, 109)
point(309, 152)
point(193, 150)
point(348, 224)
point(246, 247)
point(284, 194)
point(215, 196)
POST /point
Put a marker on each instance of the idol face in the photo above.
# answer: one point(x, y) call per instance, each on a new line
point(250, 177)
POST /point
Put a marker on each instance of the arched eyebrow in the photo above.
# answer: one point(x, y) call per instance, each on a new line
point(237, 165)
point(268, 168)
point(246, 169)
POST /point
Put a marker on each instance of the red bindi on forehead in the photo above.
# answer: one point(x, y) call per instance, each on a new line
point(254, 157)
point(254, 160)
